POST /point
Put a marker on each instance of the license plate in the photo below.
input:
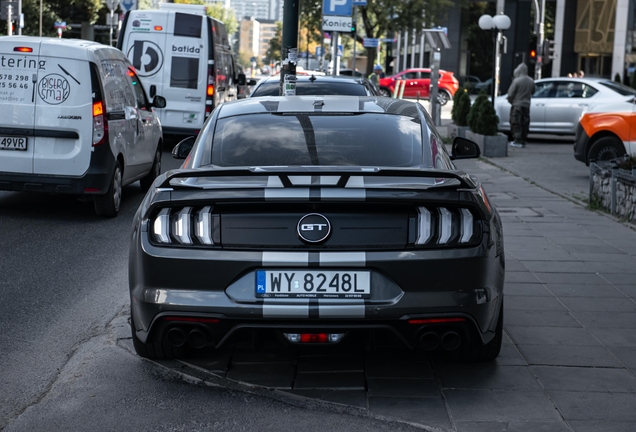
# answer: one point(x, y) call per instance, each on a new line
point(13, 143)
point(312, 284)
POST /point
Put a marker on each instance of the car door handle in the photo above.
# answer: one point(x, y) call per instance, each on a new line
point(540, 104)
point(583, 104)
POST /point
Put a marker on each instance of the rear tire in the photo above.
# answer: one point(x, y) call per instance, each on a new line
point(606, 148)
point(443, 97)
point(477, 352)
point(108, 204)
point(156, 350)
point(155, 171)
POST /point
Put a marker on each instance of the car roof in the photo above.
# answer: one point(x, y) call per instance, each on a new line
point(320, 104)
point(311, 77)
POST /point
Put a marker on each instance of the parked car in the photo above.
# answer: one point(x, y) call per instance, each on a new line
point(75, 119)
point(418, 83)
point(557, 103)
point(317, 85)
point(470, 82)
point(606, 131)
point(244, 89)
point(319, 219)
point(351, 72)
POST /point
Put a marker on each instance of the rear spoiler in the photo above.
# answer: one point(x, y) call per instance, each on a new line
point(285, 173)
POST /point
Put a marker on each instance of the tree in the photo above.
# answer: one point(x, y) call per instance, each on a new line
point(71, 11)
point(274, 51)
point(223, 14)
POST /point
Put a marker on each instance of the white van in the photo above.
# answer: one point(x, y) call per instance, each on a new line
point(74, 119)
point(187, 56)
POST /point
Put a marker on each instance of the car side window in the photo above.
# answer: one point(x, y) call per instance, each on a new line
point(425, 75)
point(573, 89)
point(543, 89)
point(409, 75)
point(142, 102)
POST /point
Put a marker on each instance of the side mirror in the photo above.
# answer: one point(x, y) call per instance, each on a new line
point(182, 150)
point(241, 79)
point(153, 91)
point(159, 102)
point(464, 148)
point(251, 82)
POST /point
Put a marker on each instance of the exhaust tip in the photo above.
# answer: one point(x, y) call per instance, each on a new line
point(429, 341)
point(197, 339)
point(176, 337)
point(451, 341)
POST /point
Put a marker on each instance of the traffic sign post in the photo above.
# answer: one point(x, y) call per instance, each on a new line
point(337, 7)
point(112, 5)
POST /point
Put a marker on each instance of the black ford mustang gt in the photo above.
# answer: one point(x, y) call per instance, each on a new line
point(318, 218)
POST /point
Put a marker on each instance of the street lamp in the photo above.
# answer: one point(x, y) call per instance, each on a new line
point(497, 24)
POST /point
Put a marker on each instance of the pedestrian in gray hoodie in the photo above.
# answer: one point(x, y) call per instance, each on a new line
point(519, 94)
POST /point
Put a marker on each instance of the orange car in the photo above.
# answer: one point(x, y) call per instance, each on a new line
point(606, 131)
point(418, 83)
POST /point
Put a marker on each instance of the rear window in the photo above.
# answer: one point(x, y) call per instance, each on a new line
point(317, 139)
point(313, 88)
point(184, 72)
point(187, 25)
point(619, 88)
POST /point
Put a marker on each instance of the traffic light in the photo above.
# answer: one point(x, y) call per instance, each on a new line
point(548, 51)
point(353, 26)
point(533, 56)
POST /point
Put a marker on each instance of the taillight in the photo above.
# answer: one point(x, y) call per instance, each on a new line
point(445, 227)
point(210, 90)
point(100, 126)
point(209, 94)
point(186, 226)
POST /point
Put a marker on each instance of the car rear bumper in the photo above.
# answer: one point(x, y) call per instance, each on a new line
point(406, 285)
point(581, 142)
point(95, 181)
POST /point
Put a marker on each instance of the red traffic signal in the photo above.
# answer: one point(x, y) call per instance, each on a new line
point(533, 54)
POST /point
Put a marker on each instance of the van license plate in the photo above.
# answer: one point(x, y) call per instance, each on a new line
point(13, 143)
point(312, 284)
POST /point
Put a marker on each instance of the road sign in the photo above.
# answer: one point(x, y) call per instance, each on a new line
point(112, 20)
point(318, 51)
point(111, 4)
point(127, 5)
point(370, 42)
point(4, 8)
point(337, 23)
point(59, 25)
point(359, 2)
point(340, 50)
point(337, 7)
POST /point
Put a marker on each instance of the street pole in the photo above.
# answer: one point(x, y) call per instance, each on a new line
point(289, 48)
point(9, 13)
point(540, 39)
point(19, 17)
point(355, 42)
point(40, 18)
point(495, 83)
point(335, 41)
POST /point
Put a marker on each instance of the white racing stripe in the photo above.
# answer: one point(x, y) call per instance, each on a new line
point(342, 259)
point(285, 311)
point(343, 194)
point(291, 259)
point(287, 193)
point(329, 309)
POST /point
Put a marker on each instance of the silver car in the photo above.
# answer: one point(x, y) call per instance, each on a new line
point(557, 103)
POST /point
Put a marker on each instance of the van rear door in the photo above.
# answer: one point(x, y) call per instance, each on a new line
point(63, 111)
point(19, 65)
point(185, 71)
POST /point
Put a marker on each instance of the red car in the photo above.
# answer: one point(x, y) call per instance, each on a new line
point(418, 83)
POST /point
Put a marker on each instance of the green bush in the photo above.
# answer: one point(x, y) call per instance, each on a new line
point(482, 117)
point(461, 108)
point(455, 101)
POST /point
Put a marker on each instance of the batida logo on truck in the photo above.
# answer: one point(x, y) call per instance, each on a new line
point(146, 57)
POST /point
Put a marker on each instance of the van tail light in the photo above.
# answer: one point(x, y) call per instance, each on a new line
point(100, 126)
point(210, 90)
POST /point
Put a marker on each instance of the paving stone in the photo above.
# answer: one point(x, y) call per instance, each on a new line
point(551, 336)
point(604, 426)
point(487, 376)
point(500, 406)
point(424, 411)
point(330, 380)
point(510, 356)
point(628, 290)
point(539, 318)
point(612, 255)
point(584, 290)
point(402, 387)
point(533, 303)
point(596, 305)
point(357, 398)
point(521, 277)
point(618, 278)
point(616, 337)
point(333, 363)
point(627, 355)
point(586, 379)
point(601, 406)
point(542, 255)
point(526, 289)
point(557, 266)
point(624, 320)
point(398, 369)
point(489, 426)
point(568, 355)
point(570, 278)
point(514, 265)
point(619, 267)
